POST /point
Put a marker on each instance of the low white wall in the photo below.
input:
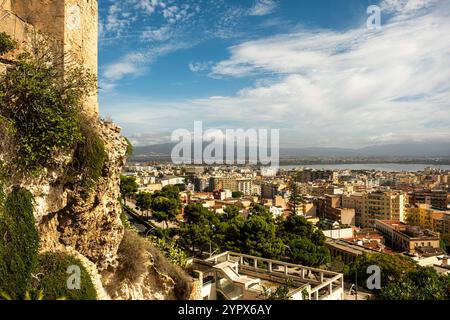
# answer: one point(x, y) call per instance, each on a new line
point(339, 233)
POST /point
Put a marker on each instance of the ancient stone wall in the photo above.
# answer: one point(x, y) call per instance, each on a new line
point(73, 23)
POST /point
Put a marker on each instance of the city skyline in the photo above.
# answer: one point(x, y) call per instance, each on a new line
point(312, 70)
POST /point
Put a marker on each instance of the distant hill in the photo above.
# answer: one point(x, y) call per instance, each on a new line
point(432, 149)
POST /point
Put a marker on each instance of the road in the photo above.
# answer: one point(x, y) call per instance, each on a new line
point(149, 217)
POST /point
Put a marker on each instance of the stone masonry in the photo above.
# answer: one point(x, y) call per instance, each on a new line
point(73, 23)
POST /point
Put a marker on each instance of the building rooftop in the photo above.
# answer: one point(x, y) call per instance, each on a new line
point(240, 276)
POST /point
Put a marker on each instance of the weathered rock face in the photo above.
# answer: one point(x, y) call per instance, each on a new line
point(69, 219)
point(86, 224)
point(90, 222)
point(87, 221)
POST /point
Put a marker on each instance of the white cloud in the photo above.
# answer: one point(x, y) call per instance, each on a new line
point(157, 34)
point(405, 7)
point(200, 66)
point(329, 88)
point(149, 6)
point(136, 63)
point(120, 69)
point(263, 7)
point(354, 86)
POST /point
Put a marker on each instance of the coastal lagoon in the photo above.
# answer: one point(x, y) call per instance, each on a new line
point(388, 167)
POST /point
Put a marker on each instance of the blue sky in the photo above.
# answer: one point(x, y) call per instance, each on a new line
point(309, 68)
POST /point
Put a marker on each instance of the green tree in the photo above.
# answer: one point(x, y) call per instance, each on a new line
point(300, 227)
point(237, 194)
point(303, 251)
point(421, 283)
point(260, 238)
point(165, 209)
point(446, 240)
point(144, 201)
point(171, 250)
point(260, 210)
point(296, 200)
point(195, 213)
point(128, 186)
point(170, 191)
point(392, 267)
point(305, 243)
point(256, 235)
point(181, 186)
point(195, 236)
point(199, 231)
point(229, 235)
point(230, 212)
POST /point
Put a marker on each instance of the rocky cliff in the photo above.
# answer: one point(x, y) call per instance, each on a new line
point(44, 118)
point(87, 225)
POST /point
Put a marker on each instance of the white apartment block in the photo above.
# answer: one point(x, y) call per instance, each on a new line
point(382, 205)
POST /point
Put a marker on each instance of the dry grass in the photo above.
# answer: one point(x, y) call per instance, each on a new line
point(133, 259)
point(183, 282)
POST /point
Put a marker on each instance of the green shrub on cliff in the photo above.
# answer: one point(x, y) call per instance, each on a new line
point(19, 243)
point(6, 43)
point(23, 273)
point(129, 147)
point(44, 101)
point(54, 272)
point(89, 157)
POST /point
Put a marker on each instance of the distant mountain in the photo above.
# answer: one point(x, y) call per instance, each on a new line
point(432, 149)
point(318, 152)
point(156, 149)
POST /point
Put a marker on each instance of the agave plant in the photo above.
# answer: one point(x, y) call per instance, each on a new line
point(39, 296)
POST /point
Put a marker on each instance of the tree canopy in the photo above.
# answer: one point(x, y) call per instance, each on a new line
point(128, 186)
point(259, 234)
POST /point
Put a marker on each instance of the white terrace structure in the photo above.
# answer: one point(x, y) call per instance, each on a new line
point(235, 276)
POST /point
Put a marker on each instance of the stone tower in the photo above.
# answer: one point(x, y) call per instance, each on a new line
point(74, 23)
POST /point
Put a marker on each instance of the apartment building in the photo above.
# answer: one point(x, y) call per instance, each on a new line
point(244, 186)
point(309, 175)
point(220, 183)
point(345, 250)
point(171, 180)
point(438, 199)
point(426, 217)
point(200, 184)
point(382, 205)
point(269, 190)
point(354, 201)
point(402, 237)
point(193, 170)
point(335, 211)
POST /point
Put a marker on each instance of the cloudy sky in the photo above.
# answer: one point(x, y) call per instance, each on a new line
point(309, 68)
